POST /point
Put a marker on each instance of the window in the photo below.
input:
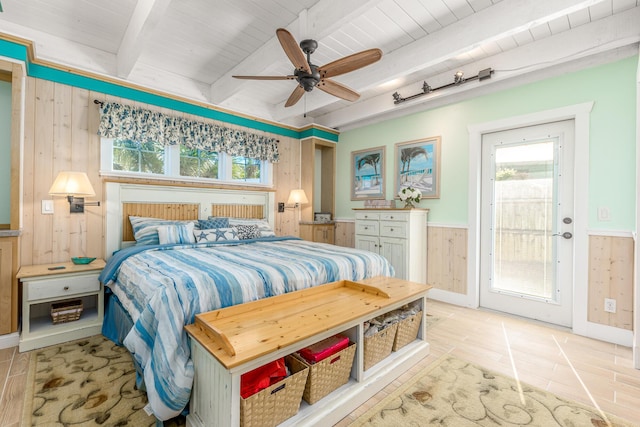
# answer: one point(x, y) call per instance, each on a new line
point(131, 158)
point(245, 169)
point(198, 163)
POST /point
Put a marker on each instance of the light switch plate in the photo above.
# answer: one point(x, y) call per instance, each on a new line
point(47, 207)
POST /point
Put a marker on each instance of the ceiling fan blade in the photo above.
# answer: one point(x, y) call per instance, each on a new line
point(293, 51)
point(350, 63)
point(338, 89)
point(295, 96)
point(265, 77)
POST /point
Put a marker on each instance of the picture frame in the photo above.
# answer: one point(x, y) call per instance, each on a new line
point(417, 165)
point(367, 173)
point(324, 217)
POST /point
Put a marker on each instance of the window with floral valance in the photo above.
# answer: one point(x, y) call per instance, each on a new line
point(125, 122)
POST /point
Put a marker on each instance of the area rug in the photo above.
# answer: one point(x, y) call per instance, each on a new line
point(88, 382)
point(452, 392)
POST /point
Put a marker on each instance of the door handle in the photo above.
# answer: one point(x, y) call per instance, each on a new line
point(566, 235)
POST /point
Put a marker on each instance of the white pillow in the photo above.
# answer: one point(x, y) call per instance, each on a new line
point(176, 233)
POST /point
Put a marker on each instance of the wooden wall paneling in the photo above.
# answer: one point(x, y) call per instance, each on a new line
point(611, 276)
point(447, 259)
point(86, 118)
point(6, 278)
point(28, 168)
point(307, 175)
point(286, 177)
point(621, 289)
point(62, 154)
point(599, 256)
point(17, 90)
point(43, 170)
point(60, 132)
point(345, 234)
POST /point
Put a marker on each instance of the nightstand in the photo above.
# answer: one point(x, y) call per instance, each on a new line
point(73, 285)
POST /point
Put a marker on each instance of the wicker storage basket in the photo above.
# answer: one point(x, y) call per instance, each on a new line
point(378, 346)
point(66, 311)
point(407, 331)
point(276, 403)
point(328, 374)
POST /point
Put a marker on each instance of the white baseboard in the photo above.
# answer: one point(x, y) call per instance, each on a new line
point(454, 298)
point(607, 333)
point(9, 340)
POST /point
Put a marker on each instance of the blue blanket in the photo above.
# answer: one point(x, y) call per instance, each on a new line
point(163, 287)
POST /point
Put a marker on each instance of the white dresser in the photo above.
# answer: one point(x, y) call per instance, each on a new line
point(400, 235)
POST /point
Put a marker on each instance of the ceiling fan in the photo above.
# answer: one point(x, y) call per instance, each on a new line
point(309, 75)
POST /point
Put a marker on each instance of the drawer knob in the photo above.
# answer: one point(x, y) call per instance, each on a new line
point(366, 228)
point(66, 288)
point(391, 217)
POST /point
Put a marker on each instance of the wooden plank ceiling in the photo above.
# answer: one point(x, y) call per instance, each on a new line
point(192, 47)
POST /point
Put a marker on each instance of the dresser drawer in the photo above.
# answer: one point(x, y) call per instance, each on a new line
point(394, 216)
point(368, 215)
point(367, 228)
point(62, 286)
point(394, 229)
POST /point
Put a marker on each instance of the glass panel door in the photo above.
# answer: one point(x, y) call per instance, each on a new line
point(526, 224)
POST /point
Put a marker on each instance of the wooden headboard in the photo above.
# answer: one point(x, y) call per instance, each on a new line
point(176, 203)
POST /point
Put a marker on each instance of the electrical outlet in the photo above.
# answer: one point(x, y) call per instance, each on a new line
point(280, 207)
point(609, 305)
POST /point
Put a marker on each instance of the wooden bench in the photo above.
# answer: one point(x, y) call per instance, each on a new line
point(229, 342)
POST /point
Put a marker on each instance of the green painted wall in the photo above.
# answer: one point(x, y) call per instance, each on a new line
point(5, 152)
point(612, 88)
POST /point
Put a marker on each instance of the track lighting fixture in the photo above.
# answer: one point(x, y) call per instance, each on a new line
point(458, 79)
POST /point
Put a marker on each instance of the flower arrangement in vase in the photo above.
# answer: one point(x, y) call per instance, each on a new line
point(410, 196)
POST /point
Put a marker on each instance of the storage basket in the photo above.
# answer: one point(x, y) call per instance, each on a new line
point(328, 374)
point(407, 331)
point(378, 346)
point(66, 311)
point(277, 403)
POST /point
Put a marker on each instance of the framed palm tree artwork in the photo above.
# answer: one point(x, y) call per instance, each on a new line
point(367, 174)
point(417, 165)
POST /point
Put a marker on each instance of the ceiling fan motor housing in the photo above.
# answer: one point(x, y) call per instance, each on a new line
point(308, 80)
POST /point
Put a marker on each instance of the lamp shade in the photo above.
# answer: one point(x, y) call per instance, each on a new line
point(297, 196)
point(69, 183)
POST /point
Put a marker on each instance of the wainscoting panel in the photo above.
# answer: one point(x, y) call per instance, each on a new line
point(345, 234)
point(447, 258)
point(611, 276)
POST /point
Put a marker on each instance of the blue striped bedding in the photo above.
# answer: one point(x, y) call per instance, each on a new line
point(163, 287)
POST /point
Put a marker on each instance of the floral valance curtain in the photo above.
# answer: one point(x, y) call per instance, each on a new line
point(137, 124)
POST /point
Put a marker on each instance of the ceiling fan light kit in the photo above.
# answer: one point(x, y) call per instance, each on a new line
point(458, 79)
point(309, 75)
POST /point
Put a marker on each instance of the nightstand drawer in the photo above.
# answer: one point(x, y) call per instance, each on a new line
point(62, 286)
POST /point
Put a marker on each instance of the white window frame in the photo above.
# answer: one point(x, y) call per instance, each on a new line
point(172, 168)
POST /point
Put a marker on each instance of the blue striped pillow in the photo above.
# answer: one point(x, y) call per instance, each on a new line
point(145, 230)
point(177, 233)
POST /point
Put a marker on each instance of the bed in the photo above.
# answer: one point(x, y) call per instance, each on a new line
point(155, 287)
